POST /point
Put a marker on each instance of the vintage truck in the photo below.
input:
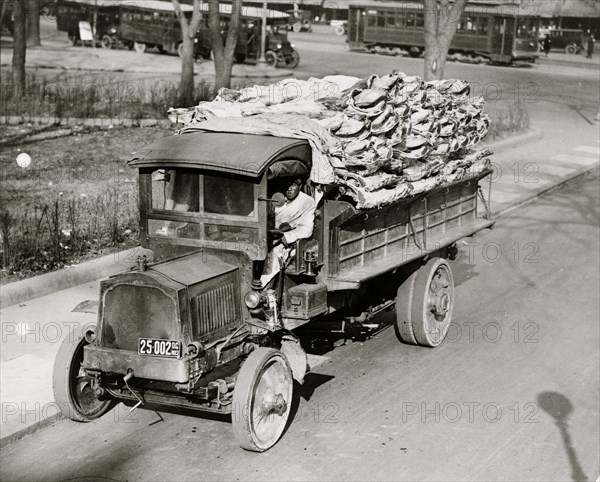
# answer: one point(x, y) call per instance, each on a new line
point(195, 329)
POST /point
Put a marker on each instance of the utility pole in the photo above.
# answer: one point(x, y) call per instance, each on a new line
point(263, 35)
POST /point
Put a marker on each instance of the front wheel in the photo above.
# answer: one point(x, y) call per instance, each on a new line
point(340, 30)
point(271, 58)
point(294, 60)
point(424, 304)
point(571, 49)
point(140, 48)
point(106, 42)
point(72, 386)
point(262, 399)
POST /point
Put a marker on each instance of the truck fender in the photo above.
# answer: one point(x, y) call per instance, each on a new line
point(296, 356)
point(87, 306)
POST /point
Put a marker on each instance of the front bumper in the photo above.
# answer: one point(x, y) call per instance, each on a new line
point(110, 360)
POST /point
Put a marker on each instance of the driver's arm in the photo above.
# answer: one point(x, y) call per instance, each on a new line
point(304, 224)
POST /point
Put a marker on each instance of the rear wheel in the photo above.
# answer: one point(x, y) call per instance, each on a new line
point(262, 399)
point(271, 58)
point(294, 60)
point(73, 40)
point(106, 42)
point(72, 386)
point(571, 49)
point(139, 47)
point(180, 50)
point(340, 30)
point(240, 58)
point(424, 304)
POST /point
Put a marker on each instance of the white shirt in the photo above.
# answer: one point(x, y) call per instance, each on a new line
point(299, 214)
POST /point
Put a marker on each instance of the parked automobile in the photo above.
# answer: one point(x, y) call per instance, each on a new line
point(570, 40)
point(300, 20)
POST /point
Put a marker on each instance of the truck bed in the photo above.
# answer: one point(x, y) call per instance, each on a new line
point(366, 244)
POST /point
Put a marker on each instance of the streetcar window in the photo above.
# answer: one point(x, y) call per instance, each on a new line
point(381, 19)
point(410, 20)
point(390, 20)
point(420, 20)
point(483, 25)
point(401, 20)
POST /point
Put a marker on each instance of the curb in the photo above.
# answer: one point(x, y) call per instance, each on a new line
point(47, 283)
point(37, 426)
point(576, 175)
point(515, 141)
point(86, 122)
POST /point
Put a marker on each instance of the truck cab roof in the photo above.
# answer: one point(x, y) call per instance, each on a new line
point(242, 154)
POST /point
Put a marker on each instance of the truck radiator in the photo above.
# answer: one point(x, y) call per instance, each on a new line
point(214, 309)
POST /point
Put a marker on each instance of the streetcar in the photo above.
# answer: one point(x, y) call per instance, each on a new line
point(501, 33)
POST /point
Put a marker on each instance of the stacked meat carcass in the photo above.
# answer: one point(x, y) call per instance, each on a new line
point(395, 135)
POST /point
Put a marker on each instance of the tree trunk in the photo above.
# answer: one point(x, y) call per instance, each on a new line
point(4, 4)
point(441, 20)
point(188, 33)
point(223, 54)
point(33, 23)
point(19, 49)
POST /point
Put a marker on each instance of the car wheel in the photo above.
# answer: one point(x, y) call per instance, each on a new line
point(424, 304)
point(271, 58)
point(571, 49)
point(262, 399)
point(340, 30)
point(294, 60)
point(106, 42)
point(72, 386)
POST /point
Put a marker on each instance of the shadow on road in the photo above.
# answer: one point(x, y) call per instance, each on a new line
point(559, 408)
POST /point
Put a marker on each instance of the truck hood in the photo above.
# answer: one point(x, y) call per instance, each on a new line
point(193, 268)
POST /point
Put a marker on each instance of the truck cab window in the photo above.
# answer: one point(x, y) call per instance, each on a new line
point(175, 190)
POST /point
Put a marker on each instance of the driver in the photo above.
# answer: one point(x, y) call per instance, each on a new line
point(295, 220)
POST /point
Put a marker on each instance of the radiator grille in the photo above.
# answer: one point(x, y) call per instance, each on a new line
point(214, 309)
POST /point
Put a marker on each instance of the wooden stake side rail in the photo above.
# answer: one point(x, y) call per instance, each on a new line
point(364, 245)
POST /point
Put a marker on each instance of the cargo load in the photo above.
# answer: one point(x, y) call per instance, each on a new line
point(377, 139)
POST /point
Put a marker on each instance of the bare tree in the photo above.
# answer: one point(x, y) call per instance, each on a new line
point(33, 23)
point(19, 49)
point(223, 54)
point(188, 33)
point(441, 20)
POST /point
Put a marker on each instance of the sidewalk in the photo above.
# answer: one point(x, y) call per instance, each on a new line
point(525, 167)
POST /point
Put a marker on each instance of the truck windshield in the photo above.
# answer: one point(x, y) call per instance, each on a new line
point(223, 207)
point(180, 190)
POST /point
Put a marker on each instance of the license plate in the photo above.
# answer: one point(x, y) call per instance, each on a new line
point(162, 348)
